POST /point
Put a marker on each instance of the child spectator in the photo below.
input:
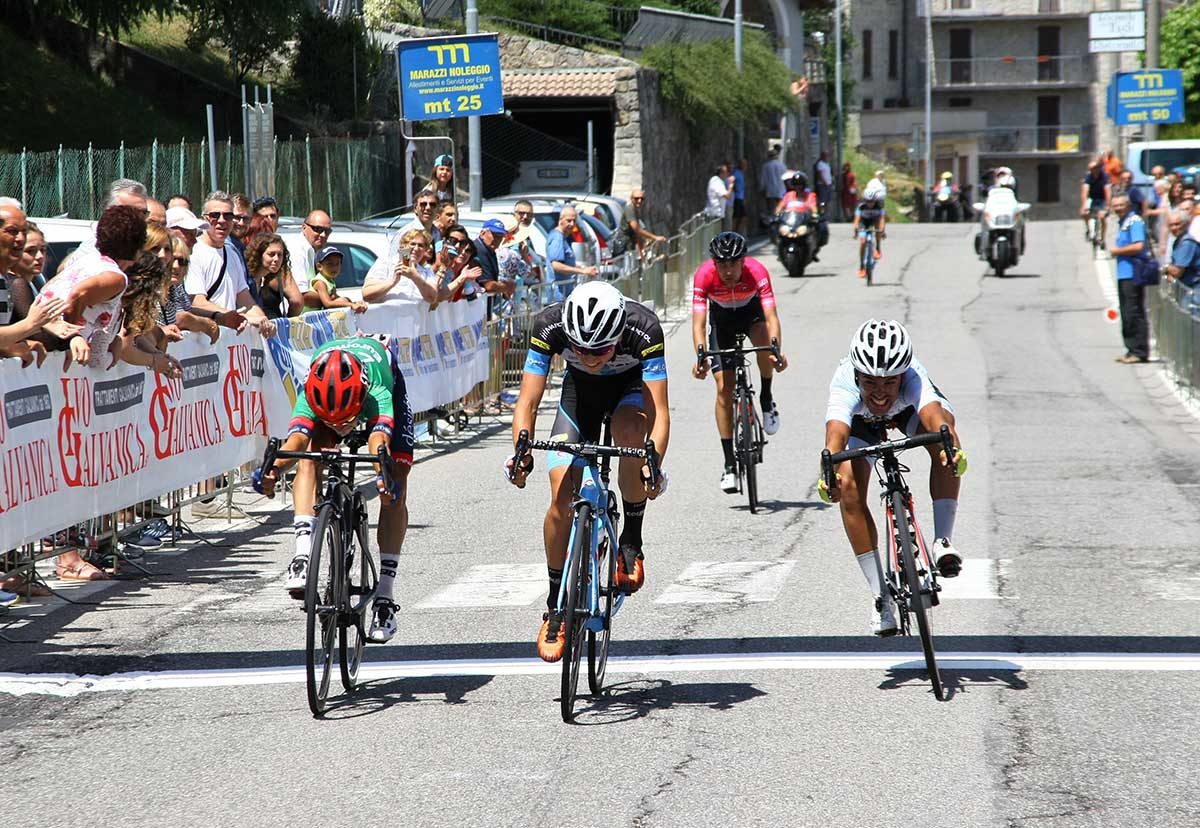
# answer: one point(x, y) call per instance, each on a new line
point(324, 284)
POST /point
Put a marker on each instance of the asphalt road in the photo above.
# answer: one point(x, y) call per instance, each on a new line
point(770, 706)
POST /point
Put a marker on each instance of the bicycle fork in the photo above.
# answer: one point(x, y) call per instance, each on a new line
point(925, 570)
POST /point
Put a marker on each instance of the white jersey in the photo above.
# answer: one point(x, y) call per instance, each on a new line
point(846, 402)
point(205, 269)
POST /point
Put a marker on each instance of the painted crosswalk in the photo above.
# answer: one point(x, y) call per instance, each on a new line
point(492, 585)
point(728, 582)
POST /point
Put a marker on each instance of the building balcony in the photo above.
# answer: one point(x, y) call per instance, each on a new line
point(1050, 71)
point(1060, 140)
point(952, 10)
point(877, 125)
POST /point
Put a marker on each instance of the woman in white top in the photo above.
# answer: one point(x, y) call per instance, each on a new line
point(405, 271)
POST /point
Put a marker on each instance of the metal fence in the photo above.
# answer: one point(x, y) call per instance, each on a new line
point(1175, 315)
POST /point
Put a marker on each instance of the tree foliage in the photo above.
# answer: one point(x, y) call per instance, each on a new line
point(1180, 35)
point(327, 51)
point(820, 21)
point(253, 30)
point(586, 17)
point(701, 82)
point(107, 16)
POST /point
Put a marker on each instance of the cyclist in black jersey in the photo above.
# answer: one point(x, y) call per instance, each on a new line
point(869, 213)
point(615, 365)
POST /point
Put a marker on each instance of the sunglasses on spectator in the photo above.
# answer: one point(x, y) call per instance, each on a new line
point(181, 260)
point(427, 205)
point(595, 352)
point(522, 213)
point(318, 229)
point(214, 216)
point(241, 217)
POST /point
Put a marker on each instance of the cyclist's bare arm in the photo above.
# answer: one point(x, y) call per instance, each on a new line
point(933, 417)
point(533, 386)
point(774, 331)
point(837, 437)
point(660, 433)
point(699, 329)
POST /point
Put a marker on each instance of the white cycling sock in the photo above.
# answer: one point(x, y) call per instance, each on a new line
point(944, 512)
point(388, 561)
point(303, 526)
point(870, 569)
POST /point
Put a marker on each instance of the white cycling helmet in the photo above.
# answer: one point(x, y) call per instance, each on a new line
point(875, 190)
point(594, 315)
point(881, 349)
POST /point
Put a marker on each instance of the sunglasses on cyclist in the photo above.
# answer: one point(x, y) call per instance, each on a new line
point(595, 352)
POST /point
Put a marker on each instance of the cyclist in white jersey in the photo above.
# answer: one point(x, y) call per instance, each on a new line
point(877, 387)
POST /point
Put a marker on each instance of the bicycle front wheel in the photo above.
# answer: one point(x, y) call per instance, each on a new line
point(746, 450)
point(321, 608)
point(916, 601)
point(598, 641)
point(361, 580)
point(869, 259)
point(575, 613)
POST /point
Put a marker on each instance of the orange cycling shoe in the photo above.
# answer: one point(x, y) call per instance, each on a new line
point(878, 255)
point(862, 273)
point(630, 558)
point(550, 642)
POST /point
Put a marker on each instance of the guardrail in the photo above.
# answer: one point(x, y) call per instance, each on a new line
point(1175, 319)
point(659, 276)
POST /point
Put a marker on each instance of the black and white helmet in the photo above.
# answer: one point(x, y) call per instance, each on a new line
point(594, 315)
point(881, 349)
point(727, 246)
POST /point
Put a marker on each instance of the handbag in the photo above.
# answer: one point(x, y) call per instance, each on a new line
point(1146, 270)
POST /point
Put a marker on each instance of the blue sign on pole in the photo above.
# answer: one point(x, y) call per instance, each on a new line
point(449, 77)
point(1151, 96)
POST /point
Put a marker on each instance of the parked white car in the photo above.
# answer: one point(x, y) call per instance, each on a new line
point(63, 235)
point(361, 245)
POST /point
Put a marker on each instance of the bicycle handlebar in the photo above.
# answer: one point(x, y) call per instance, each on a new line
point(830, 460)
point(525, 445)
point(328, 456)
point(703, 353)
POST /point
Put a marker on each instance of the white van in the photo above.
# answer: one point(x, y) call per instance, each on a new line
point(1143, 156)
point(550, 175)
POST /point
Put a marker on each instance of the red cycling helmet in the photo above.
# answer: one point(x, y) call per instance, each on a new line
point(336, 387)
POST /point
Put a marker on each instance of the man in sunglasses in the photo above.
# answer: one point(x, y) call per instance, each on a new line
point(614, 351)
point(216, 278)
point(732, 294)
point(426, 206)
point(302, 250)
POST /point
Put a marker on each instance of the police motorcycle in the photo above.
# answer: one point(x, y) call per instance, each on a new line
point(1001, 237)
point(800, 230)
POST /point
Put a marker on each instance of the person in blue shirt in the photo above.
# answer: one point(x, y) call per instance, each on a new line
point(1130, 244)
point(739, 195)
point(1185, 252)
point(561, 256)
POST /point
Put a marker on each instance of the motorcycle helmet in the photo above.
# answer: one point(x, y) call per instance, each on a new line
point(946, 176)
point(798, 181)
point(593, 317)
point(881, 349)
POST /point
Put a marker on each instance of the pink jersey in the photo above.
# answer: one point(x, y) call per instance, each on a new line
point(707, 286)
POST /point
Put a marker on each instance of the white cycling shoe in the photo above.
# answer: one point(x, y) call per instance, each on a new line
point(946, 558)
point(771, 418)
point(383, 624)
point(883, 617)
point(297, 576)
point(729, 482)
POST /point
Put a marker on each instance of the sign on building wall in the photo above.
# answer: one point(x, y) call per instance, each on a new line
point(1151, 96)
point(449, 77)
point(1117, 31)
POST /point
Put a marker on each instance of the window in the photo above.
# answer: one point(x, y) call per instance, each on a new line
point(1047, 183)
point(354, 266)
point(1049, 46)
point(893, 54)
point(890, 103)
point(1049, 6)
point(960, 4)
point(960, 55)
point(866, 54)
point(959, 103)
point(868, 103)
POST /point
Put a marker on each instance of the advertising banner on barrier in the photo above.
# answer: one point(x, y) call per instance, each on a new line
point(84, 442)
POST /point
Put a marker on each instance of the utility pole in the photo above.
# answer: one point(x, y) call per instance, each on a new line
point(737, 59)
point(928, 97)
point(837, 83)
point(474, 149)
point(1153, 23)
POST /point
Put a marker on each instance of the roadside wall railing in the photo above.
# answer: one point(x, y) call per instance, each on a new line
point(1175, 319)
point(659, 276)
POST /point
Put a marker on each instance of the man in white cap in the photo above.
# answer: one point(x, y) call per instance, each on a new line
point(183, 223)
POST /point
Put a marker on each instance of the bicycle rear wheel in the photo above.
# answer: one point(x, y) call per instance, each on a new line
point(598, 641)
point(321, 608)
point(575, 613)
point(916, 602)
point(869, 258)
point(746, 450)
point(361, 580)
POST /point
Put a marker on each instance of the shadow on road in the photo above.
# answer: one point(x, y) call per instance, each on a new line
point(773, 506)
point(954, 681)
point(1018, 276)
point(377, 696)
point(638, 698)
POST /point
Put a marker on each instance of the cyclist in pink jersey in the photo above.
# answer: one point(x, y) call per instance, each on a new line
point(732, 294)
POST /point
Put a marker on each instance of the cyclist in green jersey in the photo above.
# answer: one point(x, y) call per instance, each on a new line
point(351, 382)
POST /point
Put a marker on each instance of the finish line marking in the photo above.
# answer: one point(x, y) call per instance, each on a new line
point(65, 684)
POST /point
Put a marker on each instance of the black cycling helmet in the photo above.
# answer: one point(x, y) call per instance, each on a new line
point(727, 246)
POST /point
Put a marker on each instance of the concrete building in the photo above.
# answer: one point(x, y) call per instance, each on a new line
point(1014, 84)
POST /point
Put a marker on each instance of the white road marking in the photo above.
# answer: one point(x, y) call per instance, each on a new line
point(1107, 278)
point(65, 684)
point(1176, 589)
point(728, 582)
point(978, 580)
point(492, 585)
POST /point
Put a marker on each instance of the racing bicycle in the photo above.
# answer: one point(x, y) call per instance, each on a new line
point(748, 439)
point(342, 575)
point(868, 257)
point(910, 575)
point(1095, 225)
point(588, 599)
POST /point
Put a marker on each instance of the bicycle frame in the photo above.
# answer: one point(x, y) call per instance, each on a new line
point(593, 490)
point(892, 482)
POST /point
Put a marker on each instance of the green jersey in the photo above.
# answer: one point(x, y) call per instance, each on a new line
point(377, 411)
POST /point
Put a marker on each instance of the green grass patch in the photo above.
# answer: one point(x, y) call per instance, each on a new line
point(165, 40)
point(899, 184)
point(48, 101)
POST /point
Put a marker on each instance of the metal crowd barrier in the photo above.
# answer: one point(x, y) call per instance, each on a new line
point(1175, 314)
point(659, 276)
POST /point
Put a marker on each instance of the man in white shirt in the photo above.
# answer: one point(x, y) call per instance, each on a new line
point(770, 180)
point(427, 204)
point(720, 192)
point(824, 176)
point(216, 278)
point(302, 249)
